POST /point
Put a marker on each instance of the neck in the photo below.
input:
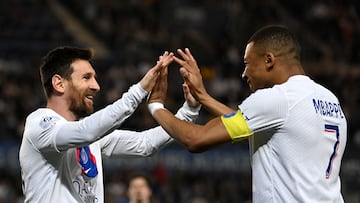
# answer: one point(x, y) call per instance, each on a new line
point(61, 107)
point(287, 71)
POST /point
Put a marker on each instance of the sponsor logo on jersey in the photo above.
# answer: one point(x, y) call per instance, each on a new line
point(87, 161)
point(46, 121)
point(86, 188)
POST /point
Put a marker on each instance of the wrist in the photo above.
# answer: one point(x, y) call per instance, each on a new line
point(141, 89)
point(194, 109)
point(154, 107)
point(188, 113)
point(203, 98)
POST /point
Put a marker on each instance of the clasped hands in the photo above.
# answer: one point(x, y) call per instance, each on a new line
point(193, 86)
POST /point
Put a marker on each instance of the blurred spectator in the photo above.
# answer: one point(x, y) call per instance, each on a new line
point(139, 189)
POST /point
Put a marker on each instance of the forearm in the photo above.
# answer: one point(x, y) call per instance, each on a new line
point(196, 138)
point(126, 143)
point(101, 122)
point(181, 131)
point(213, 106)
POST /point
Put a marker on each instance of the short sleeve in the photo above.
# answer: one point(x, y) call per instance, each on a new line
point(266, 109)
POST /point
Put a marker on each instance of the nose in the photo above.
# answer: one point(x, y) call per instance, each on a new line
point(243, 76)
point(95, 85)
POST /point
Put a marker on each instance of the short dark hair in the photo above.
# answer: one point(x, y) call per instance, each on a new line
point(135, 175)
point(58, 61)
point(277, 39)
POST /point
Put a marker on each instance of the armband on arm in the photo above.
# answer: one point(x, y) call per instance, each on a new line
point(236, 125)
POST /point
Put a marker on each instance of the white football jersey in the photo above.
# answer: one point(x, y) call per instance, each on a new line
point(51, 162)
point(299, 137)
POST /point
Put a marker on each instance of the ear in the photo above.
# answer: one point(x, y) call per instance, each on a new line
point(269, 60)
point(58, 83)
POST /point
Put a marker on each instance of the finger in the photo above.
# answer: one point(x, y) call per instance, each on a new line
point(167, 59)
point(183, 54)
point(166, 53)
point(190, 99)
point(190, 62)
point(157, 68)
point(179, 61)
point(184, 73)
point(188, 53)
point(185, 89)
point(186, 76)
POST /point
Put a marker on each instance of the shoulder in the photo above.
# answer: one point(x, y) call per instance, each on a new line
point(41, 121)
point(270, 103)
point(43, 117)
point(265, 98)
point(288, 93)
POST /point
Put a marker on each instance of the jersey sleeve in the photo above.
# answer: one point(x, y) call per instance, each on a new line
point(54, 132)
point(126, 143)
point(102, 122)
point(265, 109)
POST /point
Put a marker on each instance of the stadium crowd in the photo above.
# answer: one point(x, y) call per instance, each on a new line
point(136, 32)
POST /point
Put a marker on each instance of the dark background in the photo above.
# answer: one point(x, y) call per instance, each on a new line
point(128, 36)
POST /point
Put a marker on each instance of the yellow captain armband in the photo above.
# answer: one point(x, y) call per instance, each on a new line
point(236, 125)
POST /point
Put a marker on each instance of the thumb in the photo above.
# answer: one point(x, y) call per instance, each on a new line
point(184, 73)
point(185, 89)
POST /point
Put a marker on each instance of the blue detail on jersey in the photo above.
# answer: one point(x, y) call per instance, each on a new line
point(246, 118)
point(229, 115)
point(326, 108)
point(332, 129)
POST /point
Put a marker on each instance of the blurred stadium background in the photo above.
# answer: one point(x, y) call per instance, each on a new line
point(129, 35)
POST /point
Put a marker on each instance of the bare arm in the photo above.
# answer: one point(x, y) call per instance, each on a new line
point(196, 138)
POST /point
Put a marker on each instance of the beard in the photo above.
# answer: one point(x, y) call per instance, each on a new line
point(78, 106)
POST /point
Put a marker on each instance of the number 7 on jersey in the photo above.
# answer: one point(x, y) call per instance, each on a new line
point(335, 130)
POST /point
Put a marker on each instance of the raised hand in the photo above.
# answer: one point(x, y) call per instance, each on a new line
point(190, 71)
point(192, 102)
point(158, 93)
point(193, 79)
point(149, 80)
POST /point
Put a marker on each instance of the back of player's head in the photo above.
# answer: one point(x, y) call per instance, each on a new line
point(278, 40)
point(58, 61)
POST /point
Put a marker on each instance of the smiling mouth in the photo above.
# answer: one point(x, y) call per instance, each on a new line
point(90, 98)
